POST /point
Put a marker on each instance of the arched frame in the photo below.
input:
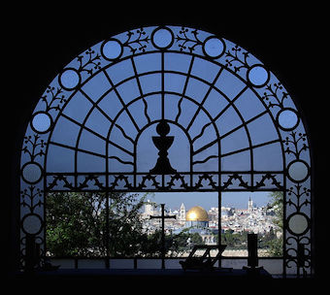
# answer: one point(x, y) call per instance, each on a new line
point(223, 122)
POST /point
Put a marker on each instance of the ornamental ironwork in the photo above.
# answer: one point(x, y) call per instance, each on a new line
point(169, 108)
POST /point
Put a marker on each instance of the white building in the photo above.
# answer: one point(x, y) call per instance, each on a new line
point(182, 215)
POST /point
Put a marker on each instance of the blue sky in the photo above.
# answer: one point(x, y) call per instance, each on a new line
point(209, 199)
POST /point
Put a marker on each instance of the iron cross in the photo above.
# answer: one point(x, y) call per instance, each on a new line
point(163, 217)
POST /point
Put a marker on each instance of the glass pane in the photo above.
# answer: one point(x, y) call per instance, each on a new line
point(90, 163)
point(215, 103)
point(207, 160)
point(188, 110)
point(177, 62)
point(171, 106)
point(262, 130)
point(179, 152)
point(288, 119)
point(148, 62)
point(119, 160)
point(230, 85)
point(174, 82)
point(31, 172)
point(128, 90)
point(204, 69)
point(236, 162)
point(41, 122)
point(258, 75)
point(97, 86)
point(268, 158)
point(207, 134)
point(228, 121)
point(119, 137)
point(298, 171)
point(154, 106)
point(162, 37)
point(120, 71)
point(60, 159)
point(111, 49)
point(249, 105)
point(90, 142)
point(196, 89)
point(150, 83)
point(234, 141)
point(139, 109)
point(111, 104)
point(65, 132)
point(98, 123)
point(127, 121)
point(69, 79)
point(78, 107)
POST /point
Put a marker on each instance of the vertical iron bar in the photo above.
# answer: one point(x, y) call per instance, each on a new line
point(219, 225)
point(163, 86)
point(107, 231)
point(163, 236)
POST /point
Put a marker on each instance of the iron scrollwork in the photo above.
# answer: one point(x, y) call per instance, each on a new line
point(131, 103)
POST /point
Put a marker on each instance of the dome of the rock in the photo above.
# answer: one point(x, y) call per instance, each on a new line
point(197, 213)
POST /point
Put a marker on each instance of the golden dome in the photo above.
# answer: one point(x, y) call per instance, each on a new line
point(197, 213)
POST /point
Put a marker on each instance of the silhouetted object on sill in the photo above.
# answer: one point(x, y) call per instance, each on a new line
point(301, 258)
point(252, 266)
point(163, 143)
point(163, 217)
point(252, 250)
point(32, 254)
point(204, 262)
point(48, 266)
point(34, 261)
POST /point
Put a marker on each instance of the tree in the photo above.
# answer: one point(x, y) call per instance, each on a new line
point(275, 245)
point(233, 240)
point(276, 204)
point(125, 226)
point(77, 224)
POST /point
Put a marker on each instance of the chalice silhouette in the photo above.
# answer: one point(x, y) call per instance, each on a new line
point(163, 143)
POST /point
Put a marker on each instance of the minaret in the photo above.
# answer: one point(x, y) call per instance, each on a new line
point(250, 205)
point(182, 214)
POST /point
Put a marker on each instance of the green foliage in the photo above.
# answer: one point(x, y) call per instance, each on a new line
point(276, 203)
point(77, 224)
point(125, 226)
point(234, 241)
point(275, 244)
point(183, 242)
point(74, 224)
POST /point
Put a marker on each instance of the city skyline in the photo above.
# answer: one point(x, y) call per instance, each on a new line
point(173, 200)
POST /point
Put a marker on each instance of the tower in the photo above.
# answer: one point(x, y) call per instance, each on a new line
point(182, 214)
point(250, 205)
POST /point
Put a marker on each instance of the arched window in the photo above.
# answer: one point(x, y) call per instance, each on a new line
point(164, 109)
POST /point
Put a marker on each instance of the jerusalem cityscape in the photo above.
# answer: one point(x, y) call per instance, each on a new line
point(234, 221)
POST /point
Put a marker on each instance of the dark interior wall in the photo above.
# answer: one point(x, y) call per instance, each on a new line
point(42, 41)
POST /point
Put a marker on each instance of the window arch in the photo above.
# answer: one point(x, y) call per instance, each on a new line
point(215, 110)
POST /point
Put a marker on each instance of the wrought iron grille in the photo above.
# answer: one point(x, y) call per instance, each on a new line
point(169, 109)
